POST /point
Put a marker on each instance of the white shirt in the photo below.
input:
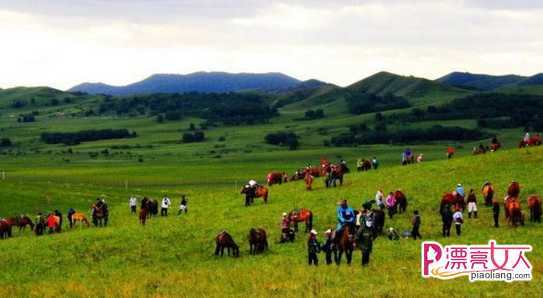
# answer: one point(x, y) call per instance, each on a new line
point(379, 196)
point(133, 201)
point(166, 202)
point(252, 183)
point(457, 215)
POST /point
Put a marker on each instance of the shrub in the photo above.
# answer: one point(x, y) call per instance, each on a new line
point(74, 138)
point(288, 139)
point(5, 142)
point(197, 136)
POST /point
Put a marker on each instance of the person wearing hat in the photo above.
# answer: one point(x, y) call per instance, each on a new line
point(460, 190)
point(345, 216)
point(313, 248)
point(328, 246)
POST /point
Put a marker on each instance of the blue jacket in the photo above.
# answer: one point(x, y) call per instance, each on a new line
point(345, 215)
point(460, 191)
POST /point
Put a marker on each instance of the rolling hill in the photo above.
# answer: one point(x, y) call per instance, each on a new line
point(206, 82)
point(479, 81)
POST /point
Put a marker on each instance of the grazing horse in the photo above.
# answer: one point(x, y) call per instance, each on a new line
point(143, 215)
point(5, 229)
point(224, 240)
point(344, 243)
point(308, 179)
point(258, 241)
point(363, 165)
point(513, 211)
point(80, 217)
point(299, 174)
point(301, 215)
point(401, 201)
point(336, 173)
point(274, 178)
point(21, 222)
point(488, 193)
point(260, 192)
point(534, 204)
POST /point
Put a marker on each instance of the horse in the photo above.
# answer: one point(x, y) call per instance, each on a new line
point(313, 171)
point(534, 204)
point(336, 173)
point(80, 217)
point(98, 215)
point(299, 174)
point(513, 212)
point(308, 179)
point(514, 189)
point(21, 222)
point(456, 201)
point(258, 241)
point(5, 229)
point(364, 165)
point(151, 205)
point(534, 140)
point(224, 240)
point(301, 215)
point(401, 201)
point(378, 222)
point(260, 192)
point(488, 193)
point(143, 215)
point(344, 244)
point(274, 178)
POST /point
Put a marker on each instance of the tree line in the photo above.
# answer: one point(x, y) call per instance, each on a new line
point(74, 138)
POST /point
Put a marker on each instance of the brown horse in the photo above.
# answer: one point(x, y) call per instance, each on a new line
point(224, 240)
point(534, 204)
point(456, 201)
point(258, 241)
point(336, 174)
point(21, 222)
point(301, 215)
point(488, 193)
point(260, 192)
point(274, 178)
point(344, 244)
point(308, 181)
point(313, 171)
point(5, 229)
point(151, 205)
point(363, 165)
point(80, 217)
point(514, 189)
point(401, 201)
point(534, 140)
point(513, 211)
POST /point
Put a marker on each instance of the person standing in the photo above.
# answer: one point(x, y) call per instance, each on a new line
point(183, 206)
point(313, 248)
point(416, 222)
point(328, 246)
point(59, 215)
point(380, 199)
point(133, 202)
point(71, 212)
point(106, 212)
point(472, 204)
point(458, 221)
point(365, 241)
point(165, 205)
point(391, 204)
point(447, 219)
point(496, 213)
point(375, 163)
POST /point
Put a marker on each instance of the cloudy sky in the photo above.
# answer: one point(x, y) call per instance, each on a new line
point(64, 42)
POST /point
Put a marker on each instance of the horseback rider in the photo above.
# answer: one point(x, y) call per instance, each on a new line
point(345, 216)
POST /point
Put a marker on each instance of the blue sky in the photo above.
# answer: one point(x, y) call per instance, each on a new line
point(62, 43)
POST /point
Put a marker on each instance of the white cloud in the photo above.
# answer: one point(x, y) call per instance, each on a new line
point(66, 42)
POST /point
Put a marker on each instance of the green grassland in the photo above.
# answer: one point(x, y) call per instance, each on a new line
point(173, 256)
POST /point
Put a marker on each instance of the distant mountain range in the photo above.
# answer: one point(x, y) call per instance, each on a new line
point(206, 82)
point(488, 82)
point(380, 83)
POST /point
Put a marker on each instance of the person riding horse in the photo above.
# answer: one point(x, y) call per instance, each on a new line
point(345, 216)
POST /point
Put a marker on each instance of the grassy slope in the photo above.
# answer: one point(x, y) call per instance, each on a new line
point(173, 256)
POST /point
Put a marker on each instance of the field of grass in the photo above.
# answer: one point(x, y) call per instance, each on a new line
point(174, 256)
